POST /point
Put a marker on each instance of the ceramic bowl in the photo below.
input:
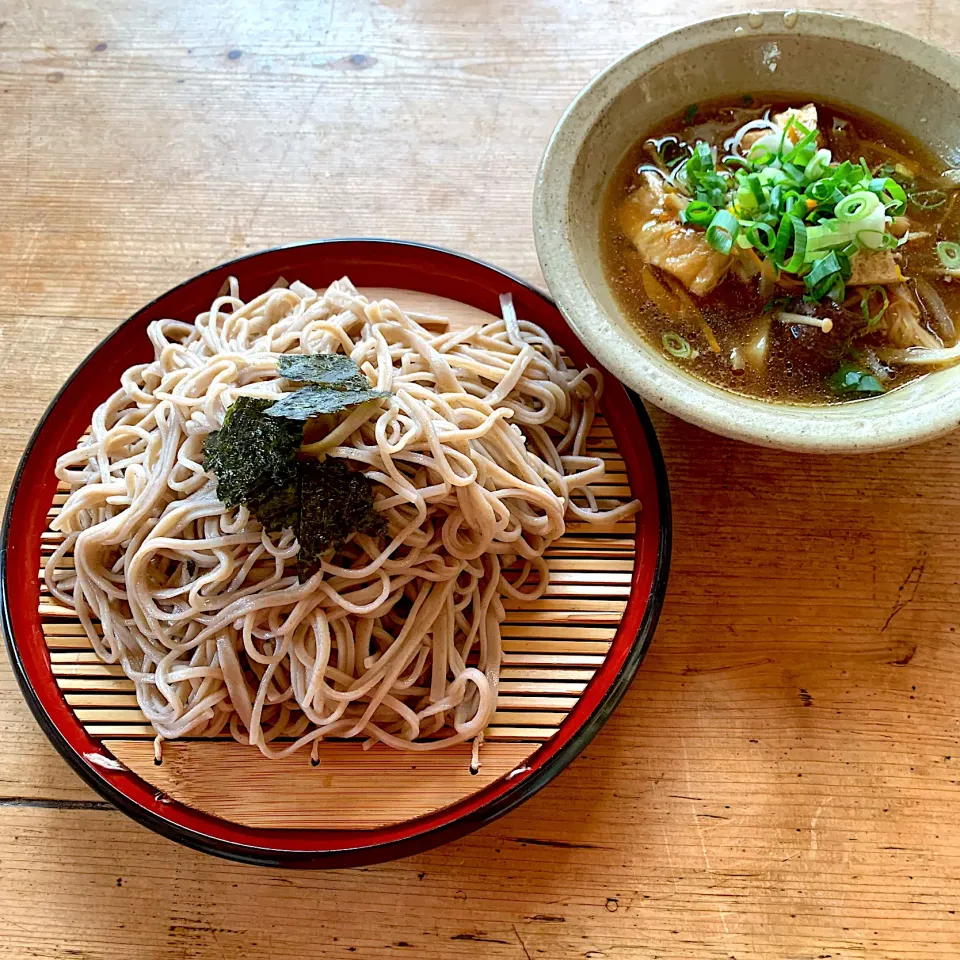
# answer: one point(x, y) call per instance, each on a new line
point(795, 55)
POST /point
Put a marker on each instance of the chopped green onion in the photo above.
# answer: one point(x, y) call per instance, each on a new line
point(949, 254)
point(799, 246)
point(698, 213)
point(760, 156)
point(702, 157)
point(771, 175)
point(773, 203)
point(677, 347)
point(804, 149)
point(745, 201)
point(885, 187)
point(701, 175)
point(791, 236)
point(822, 191)
point(824, 276)
point(928, 199)
point(732, 160)
point(783, 135)
point(762, 237)
point(873, 319)
point(765, 150)
point(756, 188)
point(849, 380)
point(797, 204)
point(826, 236)
point(689, 113)
point(723, 231)
point(876, 240)
point(856, 207)
point(818, 165)
point(846, 171)
point(794, 174)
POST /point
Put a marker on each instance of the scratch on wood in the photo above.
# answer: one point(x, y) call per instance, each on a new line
point(696, 823)
point(904, 660)
point(666, 843)
point(813, 827)
point(762, 661)
point(523, 946)
point(912, 580)
point(36, 804)
point(477, 938)
point(563, 844)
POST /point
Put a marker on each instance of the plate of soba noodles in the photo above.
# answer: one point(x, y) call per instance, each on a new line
point(333, 553)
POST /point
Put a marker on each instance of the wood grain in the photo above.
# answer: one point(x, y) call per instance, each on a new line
point(351, 789)
point(782, 779)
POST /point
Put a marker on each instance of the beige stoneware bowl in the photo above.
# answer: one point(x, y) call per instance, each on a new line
point(895, 76)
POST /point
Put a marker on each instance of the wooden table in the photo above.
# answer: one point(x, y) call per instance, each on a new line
point(783, 779)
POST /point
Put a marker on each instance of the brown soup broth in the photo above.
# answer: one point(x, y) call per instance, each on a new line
point(800, 360)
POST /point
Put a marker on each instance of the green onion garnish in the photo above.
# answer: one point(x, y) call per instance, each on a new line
point(873, 319)
point(761, 236)
point(892, 195)
point(796, 205)
point(823, 191)
point(793, 205)
point(949, 254)
point(804, 149)
point(851, 380)
point(732, 160)
point(826, 274)
point(756, 188)
point(723, 231)
point(698, 213)
point(677, 347)
point(928, 199)
point(876, 240)
point(799, 246)
point(858, 206)
point(818, 165)
point(792, 237)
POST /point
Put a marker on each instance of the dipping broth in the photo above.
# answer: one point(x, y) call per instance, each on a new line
point(792, 251)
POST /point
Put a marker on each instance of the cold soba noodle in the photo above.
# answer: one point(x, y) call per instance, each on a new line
point(792, 251)
point(414, 478)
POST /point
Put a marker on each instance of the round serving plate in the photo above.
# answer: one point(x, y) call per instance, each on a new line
point(568, 657)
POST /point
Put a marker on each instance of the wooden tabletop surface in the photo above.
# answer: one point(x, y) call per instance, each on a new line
point(782, 781)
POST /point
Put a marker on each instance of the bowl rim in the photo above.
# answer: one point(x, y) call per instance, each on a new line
point(783, 426)
point(16, 580)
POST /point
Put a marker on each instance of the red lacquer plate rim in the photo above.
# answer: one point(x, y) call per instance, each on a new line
point(369, 263)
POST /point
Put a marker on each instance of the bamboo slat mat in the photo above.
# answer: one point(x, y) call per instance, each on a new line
point(551, 649)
